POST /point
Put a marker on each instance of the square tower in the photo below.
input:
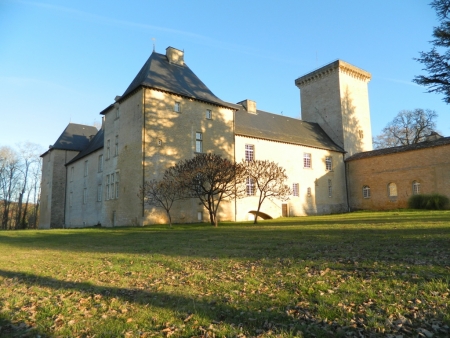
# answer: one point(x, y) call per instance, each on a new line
point(336, 97)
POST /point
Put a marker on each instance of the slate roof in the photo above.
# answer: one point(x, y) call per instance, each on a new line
point(95, 144)
point(410, 147)
point(264, 125)
point(75, 137)
point(160, 74)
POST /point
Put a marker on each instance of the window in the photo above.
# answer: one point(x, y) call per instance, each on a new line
point(306, 160)
point(328, 163)
point(392, 190)
point(107, 187)
point(198, 142)
point(295, 189)
point(84, 195)
point(308, 192)
point(100, 163)
point(249, 152)
point(208, 114)
point(415, 188)
point(108, 149)
point(159, 142)
point(177, 107)
point(71, 174)
point(99, 193)
point(116, 147)
point(250, 186)
point(330, 189)
point(366, 191)
point(117, 113)
point(117, 185)
point(111, 190)
point(361, 134)
point(70, 199)
point(85, 168)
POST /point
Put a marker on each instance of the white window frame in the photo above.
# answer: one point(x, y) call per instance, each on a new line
point(100, 163)
point(111, 190)
point(307, 161)
point(198, 142)
point(209, 114)
point(295, 189)
point(249, 152)
point(177, 107)
point(415, 188)
point(99, 192)
point(328, 163)
point(250, 188)
point(366, 191)
point(107, 187)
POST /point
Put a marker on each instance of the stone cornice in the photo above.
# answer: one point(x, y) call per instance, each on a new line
point(331, 68)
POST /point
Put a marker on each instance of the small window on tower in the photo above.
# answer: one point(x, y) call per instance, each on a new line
point(361, 133)
point(177, 107)
point(208, 114)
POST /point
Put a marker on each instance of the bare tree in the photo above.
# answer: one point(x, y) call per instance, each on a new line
point(9, 180)
point(268, 179)
point(163, 193)
point(408, 127)
point(29, 156)
point(212, 179)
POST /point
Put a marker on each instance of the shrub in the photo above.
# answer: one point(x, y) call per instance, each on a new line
point(431, 202)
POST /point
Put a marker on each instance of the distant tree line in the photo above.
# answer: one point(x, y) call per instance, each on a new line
point(212, 179)
point(20, 185)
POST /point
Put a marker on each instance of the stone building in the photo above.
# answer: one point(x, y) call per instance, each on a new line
point(168, 114)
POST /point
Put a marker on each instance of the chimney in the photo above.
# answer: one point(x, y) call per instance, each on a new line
point(249, 105)
point(175, 56)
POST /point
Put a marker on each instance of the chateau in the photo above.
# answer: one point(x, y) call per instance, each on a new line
point(167, 114)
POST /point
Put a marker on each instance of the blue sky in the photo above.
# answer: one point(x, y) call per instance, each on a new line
point(65, 61)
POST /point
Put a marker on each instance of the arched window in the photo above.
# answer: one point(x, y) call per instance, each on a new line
point(392, 190)
point(415, 188)
point(366, 191)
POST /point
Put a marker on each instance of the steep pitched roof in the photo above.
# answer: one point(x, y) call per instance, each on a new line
point(75, 137)
point(281, 128)
point(95, 144)
point(378, 152)
point(160, 74)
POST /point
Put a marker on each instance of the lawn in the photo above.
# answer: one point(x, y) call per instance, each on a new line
point(359, 274)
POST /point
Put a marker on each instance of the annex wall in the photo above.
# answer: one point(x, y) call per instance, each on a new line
point(173, 125)
point(430, 167)
point(314, 197)
point(53, 188)
point(84, 191)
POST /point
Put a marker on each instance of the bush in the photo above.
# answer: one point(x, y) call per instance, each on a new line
point(430, 202)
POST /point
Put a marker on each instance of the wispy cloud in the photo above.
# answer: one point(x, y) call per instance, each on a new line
point(198, 38)
point(18, 81)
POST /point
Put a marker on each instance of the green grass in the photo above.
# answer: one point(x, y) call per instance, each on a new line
point(369, 274)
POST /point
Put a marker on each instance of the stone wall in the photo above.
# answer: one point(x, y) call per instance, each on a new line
point(290, 157)
point(170, 136)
